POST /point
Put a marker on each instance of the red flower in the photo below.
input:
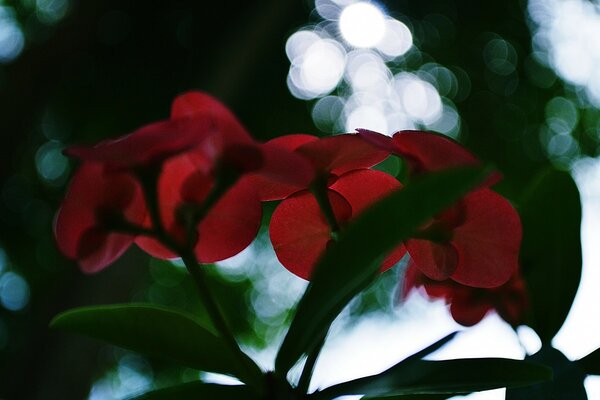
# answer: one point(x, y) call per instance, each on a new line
point(97, 197)
point(228, 227)
point(477, 241)
point(469, 305)
point(481, 245)
point(299, 230)
point(187, 180)
point(200, 148)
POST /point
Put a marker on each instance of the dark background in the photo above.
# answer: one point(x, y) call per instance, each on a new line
point(109, 67)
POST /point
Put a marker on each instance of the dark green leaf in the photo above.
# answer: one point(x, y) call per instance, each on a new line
point(590, 364)
point(448, 376)
point(158, 332)
point(412, 397)
point(351, 263)
point(567, 382)
point(429, 349)
point(415, 357)
point(200, 391)
point(551, 250)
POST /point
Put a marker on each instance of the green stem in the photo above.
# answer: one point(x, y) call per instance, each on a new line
point(309, 367)
point(216, 316)
point(148, 179)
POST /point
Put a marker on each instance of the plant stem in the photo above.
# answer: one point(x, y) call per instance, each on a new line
point(215, 314)
point(309, 367)
point(249, 372)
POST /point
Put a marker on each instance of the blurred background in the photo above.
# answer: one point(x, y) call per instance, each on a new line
point(518, 82)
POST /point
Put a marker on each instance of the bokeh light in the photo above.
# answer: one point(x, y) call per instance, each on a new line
point(378, 91)
point(564, 38)
point(317, 65)
point(12, 39)
point(51, 164)
point(14, 289)
point(362, 24)
point(51, 11)
point(397, 39)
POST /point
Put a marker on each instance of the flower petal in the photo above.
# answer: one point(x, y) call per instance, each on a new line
point(284, 172)
point(175, 173)
point(94, 192)
point(363, 187)
point(436, 260)
point(293, 141)
point(199, 105)
point(488, 242)
point(342, 153)
point(467, 309)
point(377, 139)
point(150, 144)
point(230, 225)
point(429, 151)
point(300, 233)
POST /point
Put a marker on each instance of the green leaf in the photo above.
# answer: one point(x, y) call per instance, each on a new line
point(429, 349)
point(551, 249)
point(590, 364)
point(158, 332)
point(350, 264)
point(567, 382)
point(415, 357)
point(412, 397)
point(448, 376)
point(198, 391)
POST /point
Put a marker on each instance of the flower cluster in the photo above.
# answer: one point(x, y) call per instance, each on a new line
point(194, 184)
point(171, 186)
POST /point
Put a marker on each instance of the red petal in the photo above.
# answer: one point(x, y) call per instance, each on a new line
point(300, 233)
point(467, 309)
point(292, 142)
point(342, 153)
point(93, 191)
point(469, 305)
point(150, 144)
point(98, 249)
point(284, 172)
point(378, 140)
point(363, 187)
point(436, 261)
point(282, 165)
point(411, 280)
point(513, 300)
point(230, 226)
point(431, 151)
point(154, 247)
point(176, 172)
point(488, 242)
point(199, 105)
